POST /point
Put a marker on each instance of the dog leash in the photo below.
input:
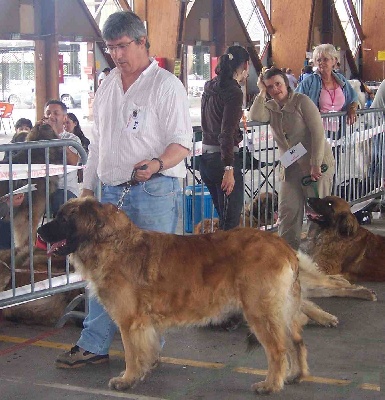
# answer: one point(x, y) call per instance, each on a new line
point(225, 208)
point(129, 184)
point(307, 181)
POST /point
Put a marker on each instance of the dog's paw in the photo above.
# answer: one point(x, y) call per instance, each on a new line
point(372, 295)
point(293, 379)
point(119, 383)
point(333, 322)
point(265, 388)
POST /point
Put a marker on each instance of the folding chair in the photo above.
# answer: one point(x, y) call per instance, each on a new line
point(6, 110)
point(265, 169)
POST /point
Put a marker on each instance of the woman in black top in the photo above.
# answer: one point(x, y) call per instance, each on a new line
point(220, 166)
point(72, 125)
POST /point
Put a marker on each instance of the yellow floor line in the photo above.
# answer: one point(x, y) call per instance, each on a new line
point(192, 363)
point(370, 386)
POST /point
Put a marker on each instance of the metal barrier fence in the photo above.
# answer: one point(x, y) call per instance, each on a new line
point(359, 173)
point(36, 179)
point(358, 149)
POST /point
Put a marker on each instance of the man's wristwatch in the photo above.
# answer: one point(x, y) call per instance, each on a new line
point(229, 167)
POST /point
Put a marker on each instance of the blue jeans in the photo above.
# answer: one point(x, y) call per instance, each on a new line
point(57, 199)
point(5, 234)
point(152, 205)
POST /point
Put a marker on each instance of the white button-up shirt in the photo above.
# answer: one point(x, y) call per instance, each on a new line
point(72, 177)
point(136, 125)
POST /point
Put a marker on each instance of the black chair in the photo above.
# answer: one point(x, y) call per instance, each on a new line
point(265, 169)
point(193, 163)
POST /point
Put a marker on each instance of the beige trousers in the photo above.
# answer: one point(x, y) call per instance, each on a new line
point(292, 199)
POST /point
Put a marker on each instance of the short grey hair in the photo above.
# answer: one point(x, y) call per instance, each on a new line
point(327, 50)
point(124, 23)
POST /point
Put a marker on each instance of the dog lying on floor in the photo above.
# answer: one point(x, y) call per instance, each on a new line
point(314, 282)
point(341, 245)
point(263, 211)
point(146, 285)
point(38, 132)
point(45, 311)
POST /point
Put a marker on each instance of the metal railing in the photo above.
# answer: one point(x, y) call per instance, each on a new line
point(359, 150)
point(13, 176)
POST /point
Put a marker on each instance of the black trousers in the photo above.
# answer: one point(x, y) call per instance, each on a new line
point(211, 170)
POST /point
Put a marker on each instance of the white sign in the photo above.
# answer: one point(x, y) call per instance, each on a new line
point(198, 149)
point(293, 154)
point(20, 171)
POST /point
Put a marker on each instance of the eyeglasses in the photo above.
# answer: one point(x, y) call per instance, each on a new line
point(120, 46)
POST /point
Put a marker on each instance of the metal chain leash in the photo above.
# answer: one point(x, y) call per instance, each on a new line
point(129, 184)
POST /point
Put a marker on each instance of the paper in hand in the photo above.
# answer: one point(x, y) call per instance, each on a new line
point(23, 189)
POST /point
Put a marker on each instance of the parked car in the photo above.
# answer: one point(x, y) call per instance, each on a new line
point(21, 93)
point(70, 91)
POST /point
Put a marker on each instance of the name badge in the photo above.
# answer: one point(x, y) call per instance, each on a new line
point(134, 122)
point(293, 154)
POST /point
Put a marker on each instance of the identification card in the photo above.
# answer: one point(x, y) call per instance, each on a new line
point(293, 154)
point(134, 122)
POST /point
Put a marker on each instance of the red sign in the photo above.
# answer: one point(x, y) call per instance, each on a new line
point(214, 63)
point(161, 62)
point(88, 70)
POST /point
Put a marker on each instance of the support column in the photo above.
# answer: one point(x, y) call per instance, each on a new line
point(40, 78)
point(46, 54)
point(327, 21)
point(219, 26)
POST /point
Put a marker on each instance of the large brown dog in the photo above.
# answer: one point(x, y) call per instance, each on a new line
point(148, 282)
point(37, 156)
point(342, 246)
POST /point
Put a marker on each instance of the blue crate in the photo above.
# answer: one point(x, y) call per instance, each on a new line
point(207, 206)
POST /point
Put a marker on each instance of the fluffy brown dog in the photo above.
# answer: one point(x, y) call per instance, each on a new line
point(146, 285)
point(263, 211)
point(21, 214)
point(45, 311)
point(342, 246)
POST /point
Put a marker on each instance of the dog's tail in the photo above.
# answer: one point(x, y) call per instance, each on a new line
point(312, 282)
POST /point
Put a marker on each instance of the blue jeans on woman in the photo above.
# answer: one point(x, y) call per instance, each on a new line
point(151, 205)
point(211, 169)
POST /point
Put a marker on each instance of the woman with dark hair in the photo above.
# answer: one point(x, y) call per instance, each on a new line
point(72, 125)
point(220, 166)
point(297, 129)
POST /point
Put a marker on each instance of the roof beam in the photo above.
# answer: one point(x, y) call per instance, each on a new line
point(250, 48)
point(356, 22)
point(265, 16)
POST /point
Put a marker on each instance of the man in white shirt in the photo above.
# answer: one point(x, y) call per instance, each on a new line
point(142, 132)
point(292, 79)
point(103, 75)
point(55, 113)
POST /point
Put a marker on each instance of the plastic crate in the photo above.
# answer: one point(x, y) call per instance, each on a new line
point(208, 209)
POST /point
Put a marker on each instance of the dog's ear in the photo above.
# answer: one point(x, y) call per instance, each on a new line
point(346, 224)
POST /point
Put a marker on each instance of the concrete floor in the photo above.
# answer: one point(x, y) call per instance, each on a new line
point(346, 362)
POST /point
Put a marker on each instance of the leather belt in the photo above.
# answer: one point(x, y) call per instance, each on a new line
point(208, 148)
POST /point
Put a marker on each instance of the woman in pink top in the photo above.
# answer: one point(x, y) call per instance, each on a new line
point(330, 92)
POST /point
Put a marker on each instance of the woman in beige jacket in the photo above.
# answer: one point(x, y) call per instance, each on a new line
point(295, 120)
